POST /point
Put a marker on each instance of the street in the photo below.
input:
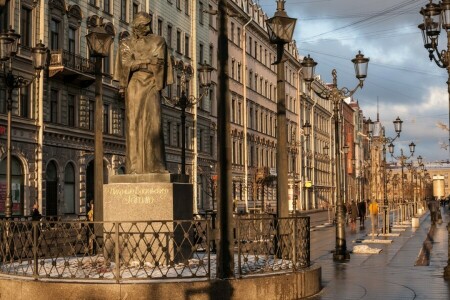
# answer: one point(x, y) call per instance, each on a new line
point(392, 274)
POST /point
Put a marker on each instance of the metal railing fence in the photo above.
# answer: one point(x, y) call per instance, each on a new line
point(153, 250)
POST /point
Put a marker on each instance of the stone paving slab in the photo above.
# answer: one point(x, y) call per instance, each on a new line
point(391, 274)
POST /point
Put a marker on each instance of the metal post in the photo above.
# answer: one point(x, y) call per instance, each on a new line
point(225, 255)
point(282, 180)
point(183, 103)
point(385, 199)
point(98, 143)
point(8, 202)
point(340, 253)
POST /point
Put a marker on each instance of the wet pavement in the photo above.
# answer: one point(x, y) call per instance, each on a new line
point(392, 273)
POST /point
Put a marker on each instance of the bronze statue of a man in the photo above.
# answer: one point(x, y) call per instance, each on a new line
point(143, 69)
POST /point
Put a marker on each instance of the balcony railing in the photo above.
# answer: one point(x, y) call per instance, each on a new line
point(61, 60)
point(121, 251)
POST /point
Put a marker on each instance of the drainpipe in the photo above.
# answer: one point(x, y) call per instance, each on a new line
point(244, 87)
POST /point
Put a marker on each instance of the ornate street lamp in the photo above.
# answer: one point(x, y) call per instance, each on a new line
point(435, 17)
point(402, 158)
point(8, 50)
point(186, 101)
point(336, 95)
point(281, 29)
point(99, 43)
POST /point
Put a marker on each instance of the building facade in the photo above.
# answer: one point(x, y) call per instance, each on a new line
point(53, 118)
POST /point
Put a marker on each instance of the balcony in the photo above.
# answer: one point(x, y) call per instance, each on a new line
point(72, 68)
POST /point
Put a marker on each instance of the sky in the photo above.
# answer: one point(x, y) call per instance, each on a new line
point(401, 80)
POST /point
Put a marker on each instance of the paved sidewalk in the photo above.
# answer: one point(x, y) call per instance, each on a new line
point(390, 274)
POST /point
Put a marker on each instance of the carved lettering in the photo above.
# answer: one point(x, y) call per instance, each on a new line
point(135, 195)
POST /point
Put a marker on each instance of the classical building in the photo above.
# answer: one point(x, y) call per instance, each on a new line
point(53, 118)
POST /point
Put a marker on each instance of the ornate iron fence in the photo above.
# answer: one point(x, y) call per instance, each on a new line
point(150, 250)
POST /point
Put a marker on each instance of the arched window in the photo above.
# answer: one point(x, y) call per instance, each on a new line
point(51, 190)
point(16, 186)
point(69, 190)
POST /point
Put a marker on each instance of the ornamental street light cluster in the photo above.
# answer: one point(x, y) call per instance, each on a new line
point(99, 43)
point(336, 96)
point(281, 29)
point(9, 42)
point(384, 140)
point(435, 17)
point(185, 101)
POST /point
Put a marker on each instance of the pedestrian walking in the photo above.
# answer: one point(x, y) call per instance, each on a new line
point(353, 215)
point(362, 213)
point(90, 228)
point(373, 211)
point(35, 214)
point(433, 206)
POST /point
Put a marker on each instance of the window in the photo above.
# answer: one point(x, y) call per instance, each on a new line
point(26, 26)
point(106, 65)
point(91, 115)
point(71, 110)
point(160, 25)
point(239, 36)
point(211, 17)
point(54, 34)
point(178, 41)
point(54, 95)
point(239, 72)
point(178, 86)
point(92, 2)
point(201, 54)
point(249, 45)
point(24, 104)
point(135, 9)
point(211, 54)
point(178, 135)
point(200, 13)
point(123, 10)
point(105, 118)
point(122, 122)
point(186, 7)
point(232, 32)
point(107, 6)
point(69, 189)
point(4, 16)
point(169, 36)
point(186, 46)
point(71, 40)
point(179, 4)
point(169, 133)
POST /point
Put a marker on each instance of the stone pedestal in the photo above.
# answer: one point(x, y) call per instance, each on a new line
point(141, 214)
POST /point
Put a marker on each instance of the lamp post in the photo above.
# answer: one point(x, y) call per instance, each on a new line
point(8, 50)
point(436, 16)
point(384, 140)
point(185, 101)
point(306, 131)
point(225, 250)
point(336, 95)
point(281, 29)
point(402, 158)
point(306, 170)
point(99, 43)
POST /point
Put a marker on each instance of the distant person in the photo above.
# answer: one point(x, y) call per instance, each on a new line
point(353, 215)
point(362, 213)
point(433, 206)
point(35, 214)
point(90, 228)
point(373, 211)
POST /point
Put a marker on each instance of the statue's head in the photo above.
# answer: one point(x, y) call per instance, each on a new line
point(141, 24)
